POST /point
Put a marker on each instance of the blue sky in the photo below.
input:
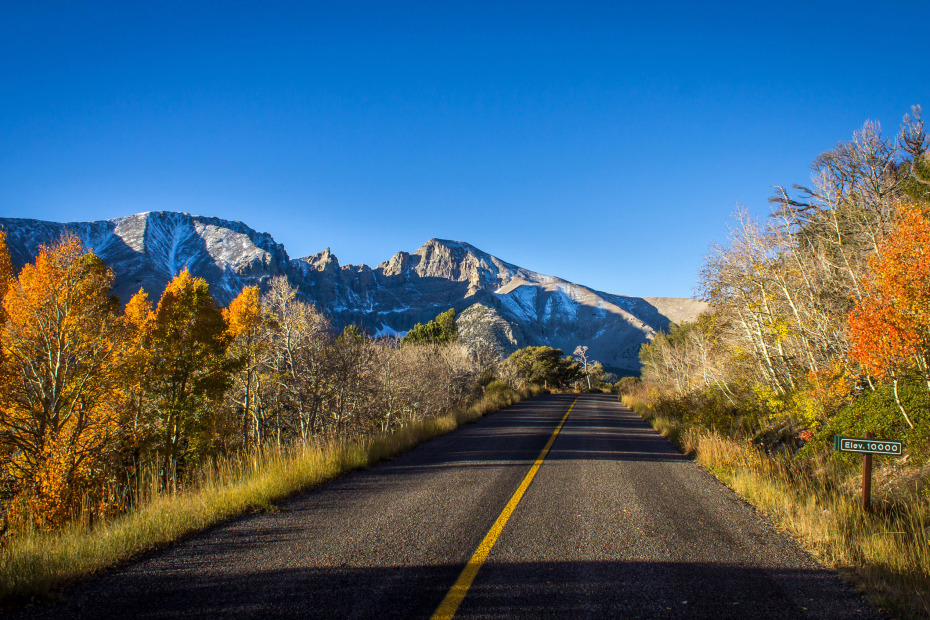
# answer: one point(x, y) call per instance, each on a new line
point(606, 143)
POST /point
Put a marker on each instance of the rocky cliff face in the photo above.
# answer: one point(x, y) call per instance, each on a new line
point(500, 305)
point(148, 249)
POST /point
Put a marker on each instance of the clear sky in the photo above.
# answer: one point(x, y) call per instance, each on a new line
point(603, 142)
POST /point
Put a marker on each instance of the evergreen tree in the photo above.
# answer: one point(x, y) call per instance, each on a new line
point(440, 330)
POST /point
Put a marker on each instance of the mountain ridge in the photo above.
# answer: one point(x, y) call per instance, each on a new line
point(518, 306)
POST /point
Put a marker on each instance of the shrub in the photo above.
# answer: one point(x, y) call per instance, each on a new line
point(628, 385)
point(496, 388)
point(876, 412)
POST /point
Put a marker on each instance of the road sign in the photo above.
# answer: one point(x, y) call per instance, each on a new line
point(868, 446)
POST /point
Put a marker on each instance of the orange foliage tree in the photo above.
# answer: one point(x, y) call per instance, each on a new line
point(60, 382)
point(6, 273)
point(890, 325)
point(187, 370)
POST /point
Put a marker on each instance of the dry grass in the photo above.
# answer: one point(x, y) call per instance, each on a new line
point(885, 553)
point(35, 563)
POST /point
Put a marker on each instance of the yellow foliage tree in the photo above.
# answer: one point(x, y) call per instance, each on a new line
point(6, 273)
point(244, 326)
point(820, 397)
point(139, 320)
point(187, 369)
point(60, 382)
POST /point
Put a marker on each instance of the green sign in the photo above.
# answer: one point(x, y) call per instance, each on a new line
point(867, 446)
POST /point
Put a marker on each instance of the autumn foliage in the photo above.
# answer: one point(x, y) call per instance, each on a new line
point(103, 407)
point(61, 381)
point(820, 313)
point(186, 369)
point(890, 326)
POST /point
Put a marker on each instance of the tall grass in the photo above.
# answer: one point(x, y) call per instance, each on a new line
point(886, 553)
point(33, 563)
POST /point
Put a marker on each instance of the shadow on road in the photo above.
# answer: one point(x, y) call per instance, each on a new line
point(545, 589)
point(516, 437)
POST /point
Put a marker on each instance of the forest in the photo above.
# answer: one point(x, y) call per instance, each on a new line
point(820, 321)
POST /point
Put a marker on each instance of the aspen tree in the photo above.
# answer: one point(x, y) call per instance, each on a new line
point(61, 381)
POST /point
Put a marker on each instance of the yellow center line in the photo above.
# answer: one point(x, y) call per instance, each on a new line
point(454, 597)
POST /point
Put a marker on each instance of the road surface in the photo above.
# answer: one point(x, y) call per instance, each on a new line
point(615, 523)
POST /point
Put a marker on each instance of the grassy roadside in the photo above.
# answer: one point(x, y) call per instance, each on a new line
point(886, 554)
point(34, 564)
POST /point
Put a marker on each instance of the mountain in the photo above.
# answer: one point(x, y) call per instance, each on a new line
point(499, 305)
point(147, 250)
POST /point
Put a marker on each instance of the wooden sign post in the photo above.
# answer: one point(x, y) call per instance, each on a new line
point(867, 478)
point(867, 446)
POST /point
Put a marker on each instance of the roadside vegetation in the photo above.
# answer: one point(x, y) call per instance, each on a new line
point(820, 326)
point(123, 428)
point(35, 561)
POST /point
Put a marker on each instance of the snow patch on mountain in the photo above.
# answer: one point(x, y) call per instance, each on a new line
point(386, 331)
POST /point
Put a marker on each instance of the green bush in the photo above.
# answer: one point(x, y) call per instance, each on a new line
point(545, 366)
point(877, 412)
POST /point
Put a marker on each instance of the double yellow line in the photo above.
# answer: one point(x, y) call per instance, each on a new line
point(454, 597)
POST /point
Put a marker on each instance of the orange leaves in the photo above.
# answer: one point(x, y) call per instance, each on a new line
point(54, 492)
point(138, 313)
point(60, 390)
point(188, 335)
point(59, 332)
point(81, 387)
point(890, 326)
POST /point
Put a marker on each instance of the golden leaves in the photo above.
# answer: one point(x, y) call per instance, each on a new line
point(244, 312)
point(60, 390)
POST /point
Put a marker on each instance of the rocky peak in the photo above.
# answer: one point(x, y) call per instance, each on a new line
point(440, 259)
point(322, 261)
point(462, 262)
point(398, 265)
point(146, 250)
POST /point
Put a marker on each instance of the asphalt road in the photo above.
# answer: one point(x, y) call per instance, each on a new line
point(616, 524)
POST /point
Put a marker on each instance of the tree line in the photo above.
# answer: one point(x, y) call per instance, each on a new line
point(821, 314)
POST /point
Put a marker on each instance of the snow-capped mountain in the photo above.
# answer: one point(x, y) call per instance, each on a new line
point(147, 250)
point(499, 304)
